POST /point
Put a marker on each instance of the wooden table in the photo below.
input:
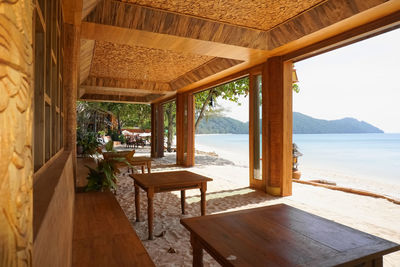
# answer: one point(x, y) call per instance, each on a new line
point(167, 182)
point(281, 235)
point(141, 161)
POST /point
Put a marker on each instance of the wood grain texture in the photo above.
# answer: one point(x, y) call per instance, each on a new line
point(142, 18)
point(278, 92)
point(185, 129)
point(139, 63)
point(16, 122)
point(284, 236)
point(121, 98)
point(54, 191)
point(317, 18)
point(211, 67)
point(124, 85)
point(258, 14)
point(103, 236)
point(85, 58)
point(70, 83)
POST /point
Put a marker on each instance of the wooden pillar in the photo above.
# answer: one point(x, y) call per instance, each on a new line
point(157, 131)
point(277, 121)
point(70, 68)
point(16, 127)
point(185, 129)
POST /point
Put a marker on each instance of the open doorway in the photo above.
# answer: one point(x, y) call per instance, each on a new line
point(222, 127)
point(345, 120)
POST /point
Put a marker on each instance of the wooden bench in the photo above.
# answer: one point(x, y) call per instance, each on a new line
point(103, 236)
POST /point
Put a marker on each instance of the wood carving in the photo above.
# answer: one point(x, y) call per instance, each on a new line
point(16, 133)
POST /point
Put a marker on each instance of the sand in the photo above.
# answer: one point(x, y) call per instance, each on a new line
point(229, 191)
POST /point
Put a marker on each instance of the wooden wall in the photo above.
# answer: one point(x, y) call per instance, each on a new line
point(16, 165)
point(53, 212)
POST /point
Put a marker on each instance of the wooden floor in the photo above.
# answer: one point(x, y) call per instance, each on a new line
point(103, 235)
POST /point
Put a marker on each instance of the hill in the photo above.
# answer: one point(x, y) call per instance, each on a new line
point(222, 125)
point(302, 124)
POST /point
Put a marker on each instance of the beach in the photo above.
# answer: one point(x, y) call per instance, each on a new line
point(229, 192)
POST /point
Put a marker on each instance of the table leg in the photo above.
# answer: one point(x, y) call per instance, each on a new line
point(137, 202)
point(183, 196)
point(149, 167)
point(143, 169)
point(203, 190)
point(197, 251)
point(150, 211)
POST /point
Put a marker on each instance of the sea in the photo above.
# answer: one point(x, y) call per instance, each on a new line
point(365, 156)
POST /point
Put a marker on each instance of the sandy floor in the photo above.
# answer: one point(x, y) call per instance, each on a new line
point(229, 192)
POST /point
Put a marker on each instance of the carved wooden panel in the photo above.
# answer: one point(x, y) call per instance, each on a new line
point(16, 133)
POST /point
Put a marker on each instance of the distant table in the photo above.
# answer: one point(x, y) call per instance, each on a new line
point(141, 161)
point(166, 182)
point(281, 235)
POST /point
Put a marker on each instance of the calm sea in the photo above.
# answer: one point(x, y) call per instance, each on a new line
point(373, 156)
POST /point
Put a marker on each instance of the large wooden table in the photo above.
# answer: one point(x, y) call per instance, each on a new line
point(281, 235)
point(166, 182)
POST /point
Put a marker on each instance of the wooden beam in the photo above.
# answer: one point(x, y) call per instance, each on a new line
point(213, 66)
point(127, 15)
point(157, 131)
point(120, 98)
point(126, 84)
point(119, 35)
point(319, 17)
point(278, 92)
point(70, 83)
point(185, 130)
point(85, 58)
point(88, 6)
point(376, 27)
point(72, 11)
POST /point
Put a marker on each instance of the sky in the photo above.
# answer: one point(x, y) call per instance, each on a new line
point(361, 80)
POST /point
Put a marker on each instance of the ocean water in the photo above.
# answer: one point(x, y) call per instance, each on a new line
point(373, 156)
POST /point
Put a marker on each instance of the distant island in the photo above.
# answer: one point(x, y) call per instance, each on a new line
point(302, 124)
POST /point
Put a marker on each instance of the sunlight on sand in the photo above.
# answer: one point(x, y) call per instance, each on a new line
point(229, 191)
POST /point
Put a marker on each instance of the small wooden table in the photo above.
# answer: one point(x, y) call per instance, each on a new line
point(166, 182)
point(281, 235)
point(141, 161)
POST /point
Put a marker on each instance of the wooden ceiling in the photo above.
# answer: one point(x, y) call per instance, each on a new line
point(147, 50)
point(255, 14)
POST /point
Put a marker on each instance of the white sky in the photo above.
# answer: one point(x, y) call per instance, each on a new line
point(360, 81)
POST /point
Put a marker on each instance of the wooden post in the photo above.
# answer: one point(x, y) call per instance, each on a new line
point(277, 119)
point(185, 129)
point(157, 131)
point(70, 68)
point(16, 126)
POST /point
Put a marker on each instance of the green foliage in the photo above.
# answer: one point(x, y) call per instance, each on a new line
point(115, 136)
point(109, 146)
point(88, 141)
point(104, 176)
point(296, 88)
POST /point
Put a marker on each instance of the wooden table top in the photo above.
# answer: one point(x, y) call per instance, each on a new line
point(141, 159)
point(168, 178)
point(281, 235)
point(103, 235)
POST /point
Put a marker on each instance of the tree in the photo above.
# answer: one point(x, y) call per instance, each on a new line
point(169, 120)
point(206, 101)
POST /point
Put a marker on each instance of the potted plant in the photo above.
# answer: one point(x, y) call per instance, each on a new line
point(104, 178)
point(296, 153)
